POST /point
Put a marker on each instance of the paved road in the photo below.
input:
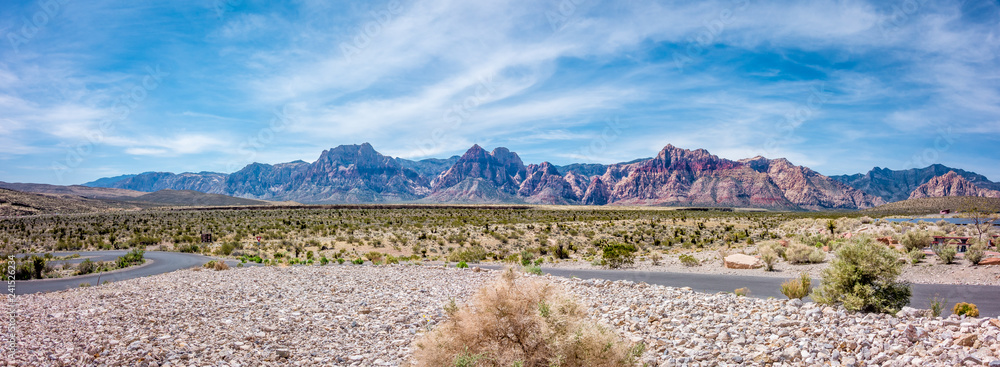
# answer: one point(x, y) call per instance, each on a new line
point(987, 298)
point(163, 262)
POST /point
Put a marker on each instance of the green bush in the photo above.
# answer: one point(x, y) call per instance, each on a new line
point(134, 257)
point(797, 287)
point(226, 249)
point(916, 240)
point(916, 255)
point(86, 267)
point(688, 260)
point(323, 260)
point(616, 254)
point(965, 309)
point(472, 254)
point(864, 278)
point(462, 265)
point(946, 253)
point(798, 253)
point(975, 253)
point(340, 260)
point(531, 269)
point(358, 261)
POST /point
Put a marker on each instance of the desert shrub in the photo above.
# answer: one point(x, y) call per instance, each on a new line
point(216, 265)
point(916, 240)
point(473, 254)
point(946, 253)
point(937, 306)
point(462, 265)
point(864, 278)
point(798, 253)
point(374, 256)
point(522, 322)
point(527, 257)
point(323, 260)
point(768, 256)
point(965, 309)
point(615, 255)
point(86, 267)
point(340, 260)
point(134, 257)
point(226, 249)
point(187, 248)
point(916, 255)
point(742, 292)
point(389, 259)
point(797, 287)
point(688, 260)
point(358, 261)
point(533, 269)
point(655, 257)
point(975, 253)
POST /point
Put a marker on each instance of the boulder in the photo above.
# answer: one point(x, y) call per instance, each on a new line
point(990, 261)
point(741, 261)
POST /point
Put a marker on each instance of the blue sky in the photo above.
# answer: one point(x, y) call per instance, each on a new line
point(100, 88)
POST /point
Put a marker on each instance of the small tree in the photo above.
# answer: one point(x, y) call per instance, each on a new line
point(831, 225)
point(916, 240)
point(864, 278)
point(982, 214)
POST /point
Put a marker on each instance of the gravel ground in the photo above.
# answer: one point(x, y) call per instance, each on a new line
point(368, 315)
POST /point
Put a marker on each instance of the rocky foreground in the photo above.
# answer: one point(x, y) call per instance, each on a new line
point(364, 315)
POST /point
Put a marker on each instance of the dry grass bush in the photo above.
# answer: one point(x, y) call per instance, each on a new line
point(768, 256)
point(522, 322)
point(797, 287)
point(216, 265)
point(798, 253)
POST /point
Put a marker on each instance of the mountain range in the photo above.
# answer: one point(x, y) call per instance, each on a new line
point(674, 177)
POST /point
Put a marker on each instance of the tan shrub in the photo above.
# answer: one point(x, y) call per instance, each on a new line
point(216, 265)
point(798, 253)
point(522, 322)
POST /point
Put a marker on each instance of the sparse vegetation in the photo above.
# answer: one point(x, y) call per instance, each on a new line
point(864, 278)
point(975, 253)
point(768, 256)
point(522, 322)
point(216, 265)
point(915, 240)
point(742, 292)
point(937, 306)
point(797, 287)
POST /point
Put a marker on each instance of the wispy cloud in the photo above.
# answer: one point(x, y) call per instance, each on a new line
point(428, 78)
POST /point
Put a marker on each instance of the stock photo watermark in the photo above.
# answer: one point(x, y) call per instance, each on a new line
point(610, 132)
point(10, 335)
point(944, 140)
point(30, 26)
point(901, 14)
point(223, 7)
point(818, 96)
point(455, 116)
point(563, 13)
point(371, 29)
point(280, 120)
point(708, 34)
point(120, 110)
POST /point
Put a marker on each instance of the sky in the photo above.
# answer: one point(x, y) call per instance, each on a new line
point(102, 88)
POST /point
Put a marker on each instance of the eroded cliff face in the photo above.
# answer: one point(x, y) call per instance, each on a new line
point(951, 184)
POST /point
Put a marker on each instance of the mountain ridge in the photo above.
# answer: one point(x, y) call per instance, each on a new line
point(675, 176)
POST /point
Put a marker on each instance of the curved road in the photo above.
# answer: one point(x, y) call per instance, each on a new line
point(162, 262)
point(986, 298)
